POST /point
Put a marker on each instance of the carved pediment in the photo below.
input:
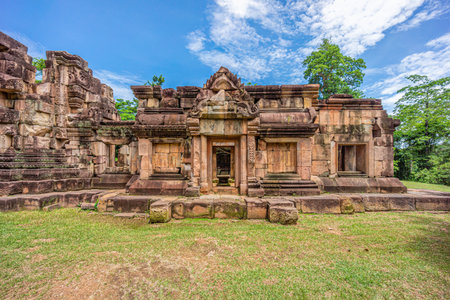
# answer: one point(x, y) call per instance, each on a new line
point(224, 97)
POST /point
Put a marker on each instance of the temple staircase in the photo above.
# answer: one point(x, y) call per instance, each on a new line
point(281, 184)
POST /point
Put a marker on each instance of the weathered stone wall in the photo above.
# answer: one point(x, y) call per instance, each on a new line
point(47, 129)
point(344, 121)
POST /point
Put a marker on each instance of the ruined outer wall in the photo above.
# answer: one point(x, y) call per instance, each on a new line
point(47, 129)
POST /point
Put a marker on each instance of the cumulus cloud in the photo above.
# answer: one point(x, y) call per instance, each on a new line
point(434, 63)
point(120, 83)
point(260, 38)
point(431, 10)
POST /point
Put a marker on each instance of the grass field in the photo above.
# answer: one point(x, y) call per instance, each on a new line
point(426, 186)
point(68, 254)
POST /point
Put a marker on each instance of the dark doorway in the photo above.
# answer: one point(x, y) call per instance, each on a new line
point(223, 163)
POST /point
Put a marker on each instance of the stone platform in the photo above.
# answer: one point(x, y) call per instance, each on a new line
point(279, 209)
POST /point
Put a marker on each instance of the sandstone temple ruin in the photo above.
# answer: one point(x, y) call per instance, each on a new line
point(62, 141)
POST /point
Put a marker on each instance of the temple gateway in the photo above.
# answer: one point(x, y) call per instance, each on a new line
point(64, 134)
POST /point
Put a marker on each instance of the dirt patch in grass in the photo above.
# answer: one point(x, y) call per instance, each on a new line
point(125, 281)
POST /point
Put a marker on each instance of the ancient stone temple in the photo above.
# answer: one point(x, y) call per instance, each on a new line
point(64, 135)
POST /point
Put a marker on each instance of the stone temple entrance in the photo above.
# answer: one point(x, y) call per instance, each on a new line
point(223, 166)
point(223, 162)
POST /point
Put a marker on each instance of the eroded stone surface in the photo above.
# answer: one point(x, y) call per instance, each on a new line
point(283, 215)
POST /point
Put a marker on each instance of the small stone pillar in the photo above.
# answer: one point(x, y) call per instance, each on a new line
point(204, 187)
point(196, 149)
point(112, 156)
point(333, 159)
point(304, 157)
point(145, 152)
point(243, 157)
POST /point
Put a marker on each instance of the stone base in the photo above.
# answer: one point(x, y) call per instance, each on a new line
point(360, 185)
point(44, 186)
point(38, 201)
point(158, 187)
point(111, 181)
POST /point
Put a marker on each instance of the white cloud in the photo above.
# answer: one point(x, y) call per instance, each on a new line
point(35, 49)
point(355, 24)
point(434, 63)
point(440, 41)
point(432, 10)
point(196, 41)
point(257, 38)
point(120, 83)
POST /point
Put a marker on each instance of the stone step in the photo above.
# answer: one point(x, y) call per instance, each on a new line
point(38, 201)
point(44, 186)
point(38, 174)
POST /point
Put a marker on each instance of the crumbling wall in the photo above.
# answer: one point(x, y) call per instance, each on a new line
point(47, 128)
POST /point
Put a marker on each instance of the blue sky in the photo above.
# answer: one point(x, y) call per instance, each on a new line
point(263, 41)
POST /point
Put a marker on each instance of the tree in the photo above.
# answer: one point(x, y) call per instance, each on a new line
point(127, 108)
point(336, 73)
point(157, 80)
point(39, 63)
point(422, 140)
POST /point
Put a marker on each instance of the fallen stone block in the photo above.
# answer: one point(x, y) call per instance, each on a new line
point(256, 208)
point(229, 209)
point(125, 215)
point(402, 202)
point(88, 206)
point(324, 204)
point(376, 202)
point(279, 202)
point(351, 203)
point(160, 212)
point(127, 203)
point(429, 202)
point(199, 208)
point(283, 215)
point(51, 207)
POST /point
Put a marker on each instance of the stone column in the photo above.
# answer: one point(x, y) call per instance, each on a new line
point(196, 146)
point(204, 188)
point(145, 152)
point(333, 159)
point(371, 159)
point(305, 158)
point(243, 158)
point(251, 155)
point(112, 156)
point(133, 158)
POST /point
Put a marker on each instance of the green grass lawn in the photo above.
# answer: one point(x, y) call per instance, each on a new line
point(72, 254)
point(426, 186)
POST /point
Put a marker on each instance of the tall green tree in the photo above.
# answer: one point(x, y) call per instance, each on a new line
point(127, 108)
point(422, 149)
point(39, 64)
point(335, 72)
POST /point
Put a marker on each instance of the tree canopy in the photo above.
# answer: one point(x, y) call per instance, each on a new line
point(335, 72)
point(39, 64)
point(422, 149)
point(127, 108)
point(156, 80)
